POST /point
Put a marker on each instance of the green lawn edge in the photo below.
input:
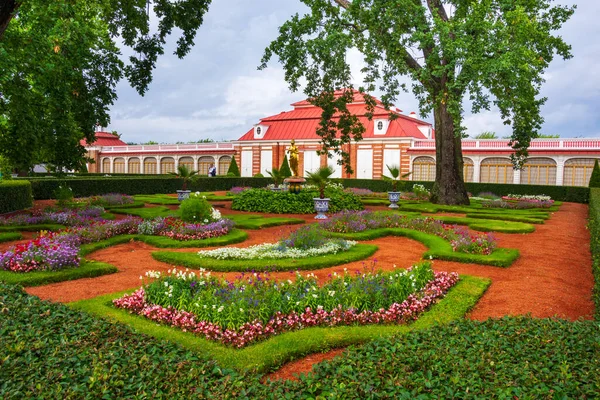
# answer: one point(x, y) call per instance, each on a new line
point(10, 236)
point(135, 204)
point(488, 225)
point(191, 260)
point(234, 236)
point(272, 353)
point(32, 228)
point(438, 248)
point(87, 269)
point(257, 221)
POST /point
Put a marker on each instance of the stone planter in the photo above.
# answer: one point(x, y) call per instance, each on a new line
point(183, 194)
point(393, 197)
point(321, 207)
point(295, 184)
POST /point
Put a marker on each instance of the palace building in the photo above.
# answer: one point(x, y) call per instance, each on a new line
point(404, 140)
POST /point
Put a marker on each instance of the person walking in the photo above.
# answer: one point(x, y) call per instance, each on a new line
point(212, 171)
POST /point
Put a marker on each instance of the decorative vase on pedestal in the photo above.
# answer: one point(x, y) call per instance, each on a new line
point(295, 184)
point(393, 197)
point(183, 194)
point(321, 207)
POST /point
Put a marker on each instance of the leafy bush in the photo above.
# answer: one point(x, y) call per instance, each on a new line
point(196, 209)
point(260, 200)
point(63, 195)
point(594, 227)
point(15, 195)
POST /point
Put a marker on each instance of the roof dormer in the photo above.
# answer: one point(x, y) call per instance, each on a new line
point(380, 126)
point(260, 130)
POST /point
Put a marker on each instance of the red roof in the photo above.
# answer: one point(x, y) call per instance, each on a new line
point(105, 139)
point(302, 122)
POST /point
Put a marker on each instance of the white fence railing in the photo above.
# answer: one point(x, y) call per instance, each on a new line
point(157, 148)
point(538, 144)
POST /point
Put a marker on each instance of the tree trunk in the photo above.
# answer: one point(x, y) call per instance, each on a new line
point(449, 187)
point(8, 9)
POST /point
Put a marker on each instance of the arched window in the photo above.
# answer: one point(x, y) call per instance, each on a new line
point(119, 165)
point(468, 168)
point(577, 171)
point(496, 170)
point(539, 171)
point(204, 164)
point(105, 166)
point(167, 164)
point(188, 162)
point(133, 165)
point(150, 165)
point(224, 163)
point(423, 169)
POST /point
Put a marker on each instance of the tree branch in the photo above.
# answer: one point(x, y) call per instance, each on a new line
point(343, 3)
point(8, 9)
point(437, 7)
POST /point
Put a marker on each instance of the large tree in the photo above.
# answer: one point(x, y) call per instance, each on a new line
point(493, 51)
point(59, 66)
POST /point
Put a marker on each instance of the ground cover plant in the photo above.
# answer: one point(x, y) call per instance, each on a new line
point(10, 236)
point(256, 307)
point(146, 212)
point(65, 217)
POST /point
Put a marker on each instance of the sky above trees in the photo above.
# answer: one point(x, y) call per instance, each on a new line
point(217, 92)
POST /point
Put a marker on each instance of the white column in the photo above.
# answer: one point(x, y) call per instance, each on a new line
point(560, 169)
point(112, 160)
point(517, 177)
point(476, 168)
point(176, 162)
point(126, 165)
point(158, 160)
point(195, 163)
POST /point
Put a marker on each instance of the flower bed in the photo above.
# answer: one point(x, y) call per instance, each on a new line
point(517, 204)
point(307, 241)
point(46, 253)
point(177, 229)
point(459, 237)
point(85, 216)
point(256, 307)
point(111, 199)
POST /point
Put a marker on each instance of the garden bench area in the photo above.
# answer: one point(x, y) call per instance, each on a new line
point(227, 293)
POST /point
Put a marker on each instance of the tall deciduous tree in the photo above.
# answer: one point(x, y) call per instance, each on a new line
point(493, 51)
point(59, 66)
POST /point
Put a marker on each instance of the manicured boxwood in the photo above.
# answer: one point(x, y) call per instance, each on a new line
point(87, 269)
point(15, 195)
point(10, 236)
point(594, 227)
point(43, 188)
point(560, 193)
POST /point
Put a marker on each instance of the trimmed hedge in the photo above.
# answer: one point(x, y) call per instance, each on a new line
point(573, 194)
point(15, 195)
point(594, 227)
point(43, 188)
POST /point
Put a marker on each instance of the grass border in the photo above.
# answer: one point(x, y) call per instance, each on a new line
point(438, 248)
point(32, 228)
point(191, 260)
point(10, 236)
point(87, 269)
point(270, 354)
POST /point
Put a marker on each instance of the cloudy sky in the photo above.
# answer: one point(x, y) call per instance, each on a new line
point(217, 92)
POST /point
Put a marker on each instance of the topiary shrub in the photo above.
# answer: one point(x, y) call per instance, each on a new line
point(259, 175)
point(233, 168)
point(595, 178)
point(285, 170)
point(196, 209)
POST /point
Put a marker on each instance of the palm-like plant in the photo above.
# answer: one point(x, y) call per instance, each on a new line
point(319, 178)
point(277, 175)
point(395, 176)
point(184, 173)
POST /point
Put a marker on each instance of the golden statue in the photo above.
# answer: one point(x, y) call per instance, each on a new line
point(293, 151)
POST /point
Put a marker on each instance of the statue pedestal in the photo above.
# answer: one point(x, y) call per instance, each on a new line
point(295, 183)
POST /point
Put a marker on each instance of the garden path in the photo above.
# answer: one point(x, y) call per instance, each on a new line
point(551, 278)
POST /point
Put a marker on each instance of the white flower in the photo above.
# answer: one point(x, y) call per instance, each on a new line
point(220, 309)
point(315, 296)
point(331, 293)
